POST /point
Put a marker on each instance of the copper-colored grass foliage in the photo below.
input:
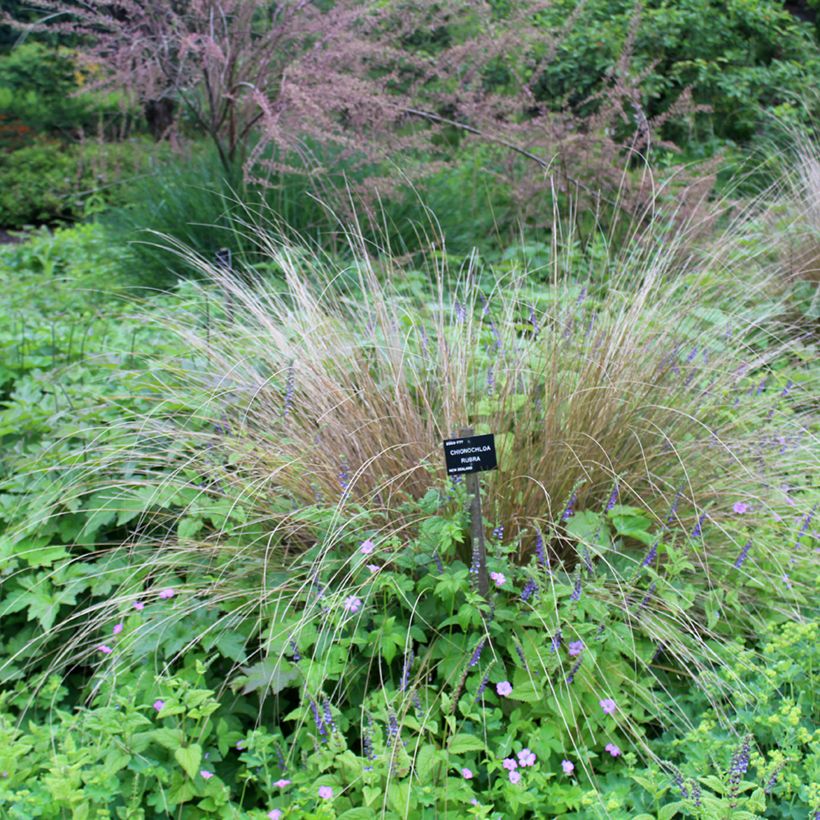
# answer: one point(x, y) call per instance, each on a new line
point(333, 385)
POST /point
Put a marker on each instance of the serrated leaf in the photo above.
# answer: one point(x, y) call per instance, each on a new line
point(426, 761)
point(268, 675)
point(399, 798)
point(189, 757)
point(189, 527)
point(670, 810)
point(459, 744)
point(371, 794)
point(360, 813)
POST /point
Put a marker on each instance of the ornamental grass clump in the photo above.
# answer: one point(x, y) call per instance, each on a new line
point(296, 508)
point(336, 386)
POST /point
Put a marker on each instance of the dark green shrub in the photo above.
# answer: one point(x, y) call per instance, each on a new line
point(746, 59)
point(48, 182)
point(41, 87)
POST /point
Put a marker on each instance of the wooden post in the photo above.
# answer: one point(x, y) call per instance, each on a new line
point(477, 526)
point(224, 262)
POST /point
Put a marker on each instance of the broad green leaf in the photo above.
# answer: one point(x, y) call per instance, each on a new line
point(371, 794)
point(670, 810)
point(465, 743)
point(269, 674)
point(189, 757)
point(427, 760)
point(400, 799)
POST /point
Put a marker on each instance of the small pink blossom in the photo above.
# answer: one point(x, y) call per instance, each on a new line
point(498, 578)
point(280, 784)
point(352, 603)
point(159, 705)
point(515, 777)
point(567, 766)
point(206, 775)
point(504, 688)
point(526, 757)
point(612, 749)
point(466, 774)
point(167, 593)
point(326, 792)
point(741, 507)
point(576, 648)
point(275, 814)
point(608, 705)
point(373, 568)
point(117, 629)
point(105, 649)
point(510, 763)
point(138, 605)
point(367, 547)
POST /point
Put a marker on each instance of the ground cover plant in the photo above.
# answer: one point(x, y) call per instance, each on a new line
point(248, 570)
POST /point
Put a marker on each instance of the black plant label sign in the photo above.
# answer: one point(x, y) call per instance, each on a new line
point(472, 454)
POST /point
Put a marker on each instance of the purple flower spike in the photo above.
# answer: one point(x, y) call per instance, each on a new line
point(481, 687)
point(650, 556)
point(575, 667)
point(540, 552)
point(476, 657)
point(529, 588)
point(570, 508)
point(613, 498)
point(743, 553)
point(576, 592)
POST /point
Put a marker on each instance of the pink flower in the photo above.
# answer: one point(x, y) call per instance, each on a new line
point(159, 705)
point(612, 749)
point(105, 649)
point(510, 763)
point(352, 603)
point(567, 766)
point(139, 606)
point(504, 688)
point(367, 547)
point(498, 578)
point(741, 507)
point(117, 629)
point(280, 784)
point(515, 777)
point(206, 775)
point(466, 774)
point(167, 593)
point(373, 567)
point(325, 792)
point(526, 757)
point(576, 648)
point(275, 814)
point(608, 705)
